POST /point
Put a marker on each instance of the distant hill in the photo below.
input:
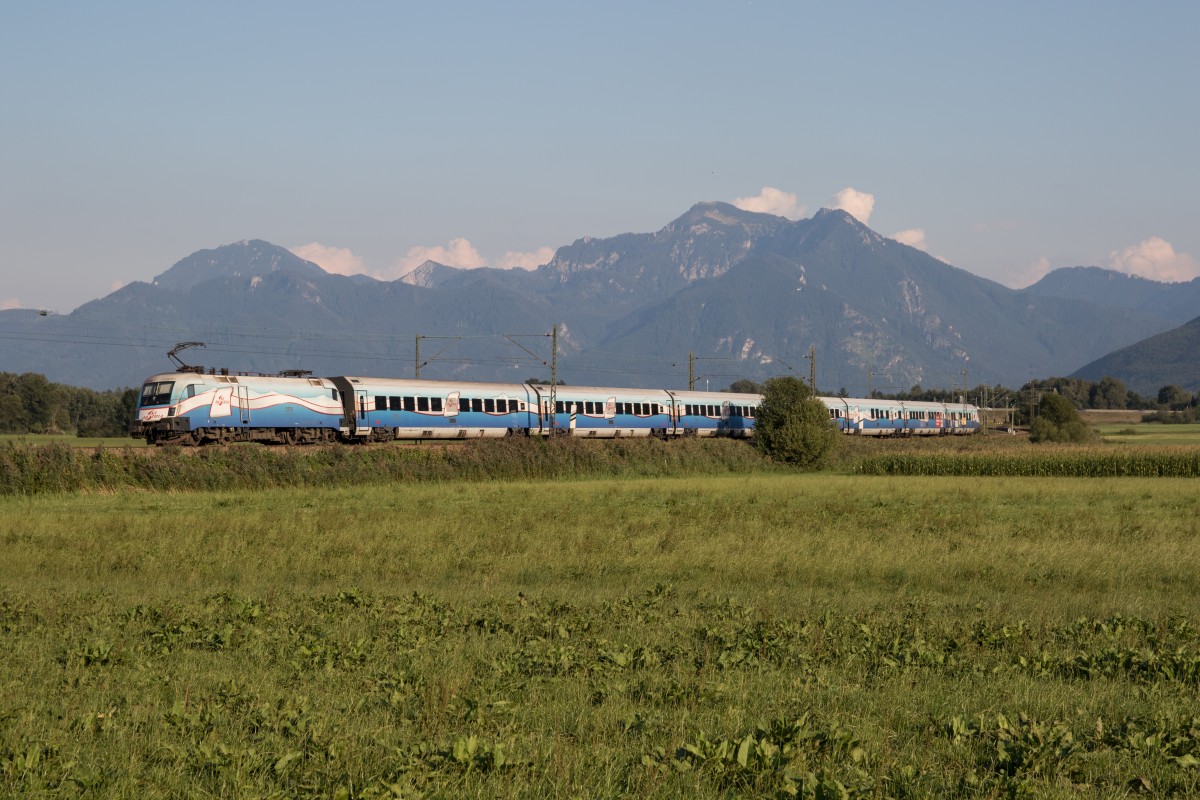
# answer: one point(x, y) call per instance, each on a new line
point(1167, 358)
point(748, 293)
point(1177, 302)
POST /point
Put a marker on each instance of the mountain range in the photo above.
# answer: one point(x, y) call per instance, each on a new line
point(747, 293)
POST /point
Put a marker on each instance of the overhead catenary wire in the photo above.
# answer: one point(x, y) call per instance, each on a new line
point(323, 344)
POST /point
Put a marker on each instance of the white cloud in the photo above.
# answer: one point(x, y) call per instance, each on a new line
point(10, 303)
point(1156, 259)
point(1030, 274)
point(772, 201)
point(532, 260)
point(458, 253)
point(857, 204)
point(336, 260)
point(913, 237)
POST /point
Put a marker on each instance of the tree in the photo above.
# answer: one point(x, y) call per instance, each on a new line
point(13, 416)
point(792, 426)
point(1108, 393)
point(1174, 397)
point(1058, 421)
point(745, 386)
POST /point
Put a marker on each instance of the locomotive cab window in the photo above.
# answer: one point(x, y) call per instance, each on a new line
point(157, 394)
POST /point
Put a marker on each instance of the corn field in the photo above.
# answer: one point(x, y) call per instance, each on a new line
point(1094, 462)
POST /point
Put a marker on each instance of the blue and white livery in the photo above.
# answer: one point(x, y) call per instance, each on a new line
point(198, 408)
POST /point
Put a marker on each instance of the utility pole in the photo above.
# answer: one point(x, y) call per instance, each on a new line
point(691, 371)
point(812, 368)
point(870, 375)
point(417, 360)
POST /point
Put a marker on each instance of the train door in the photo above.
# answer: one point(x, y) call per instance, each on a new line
point(243, 394)
point(361, 426)
point(673, 412)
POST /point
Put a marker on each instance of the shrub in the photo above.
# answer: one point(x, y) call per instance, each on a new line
point(793, 426)
point(1058, 421)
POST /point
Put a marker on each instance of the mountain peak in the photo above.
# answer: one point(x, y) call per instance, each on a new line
point(429, 274)
point(832, 215)
point(718, 213)
point(244, 259)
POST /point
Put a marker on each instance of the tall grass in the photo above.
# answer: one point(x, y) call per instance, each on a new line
point(1065, 462)
point(57, 467)
point(30, 470)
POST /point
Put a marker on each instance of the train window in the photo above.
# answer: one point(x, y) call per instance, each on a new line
point(637, 409)
point(436, 404)
point(157, 394)
point(422, 404)
point(380, 403)
point(489, 406)
point(333, 393)
point(394, 404)
point(558, 407)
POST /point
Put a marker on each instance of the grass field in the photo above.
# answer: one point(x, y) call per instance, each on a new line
point(1151, 434)
point(767, 635)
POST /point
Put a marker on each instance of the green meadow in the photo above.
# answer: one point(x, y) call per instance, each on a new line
point(1151, 434)
point(763, 635)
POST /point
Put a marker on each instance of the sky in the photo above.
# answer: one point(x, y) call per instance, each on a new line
point(1007, 139)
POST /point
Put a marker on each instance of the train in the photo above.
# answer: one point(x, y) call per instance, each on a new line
point(198, 408)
